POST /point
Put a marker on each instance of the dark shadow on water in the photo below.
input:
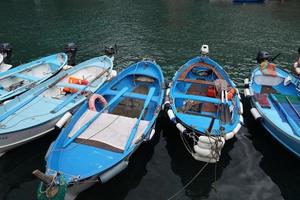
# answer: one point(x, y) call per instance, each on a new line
point(277, 162)
point(184, 165)
point(16, 166)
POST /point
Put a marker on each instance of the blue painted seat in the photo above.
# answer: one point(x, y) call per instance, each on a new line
point(71, 85)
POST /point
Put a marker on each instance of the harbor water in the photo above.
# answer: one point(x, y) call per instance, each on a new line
point(252, 166)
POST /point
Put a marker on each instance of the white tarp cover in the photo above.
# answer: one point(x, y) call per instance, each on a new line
point(110, 129)
point(267, 80)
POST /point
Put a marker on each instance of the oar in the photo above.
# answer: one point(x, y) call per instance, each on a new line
point(73, 96)
point(288, 100)
point(135, 128)
point(87, 124)
point(26, 101)
point(291, 122)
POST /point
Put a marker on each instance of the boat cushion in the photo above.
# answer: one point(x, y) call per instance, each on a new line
point(267, 80)
point(262, 99)
point(108, 131)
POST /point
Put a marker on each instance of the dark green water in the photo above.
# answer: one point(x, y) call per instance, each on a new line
point(252, 166)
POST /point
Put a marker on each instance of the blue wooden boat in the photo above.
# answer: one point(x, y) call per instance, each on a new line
point(26, 76)
point(204, 104)
point(274, 94)
point(36, 112)
point(98, 141)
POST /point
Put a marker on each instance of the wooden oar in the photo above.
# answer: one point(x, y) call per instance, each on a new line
point(73, 96)
point(291, 122)
point(87, 124)
point(135, 128)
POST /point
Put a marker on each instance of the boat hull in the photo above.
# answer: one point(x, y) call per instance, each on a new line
point(12, 140)
point(285, 139)
point(267, 97)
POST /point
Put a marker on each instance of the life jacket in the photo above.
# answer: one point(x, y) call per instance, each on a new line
point(75, 80)
point(268, 68)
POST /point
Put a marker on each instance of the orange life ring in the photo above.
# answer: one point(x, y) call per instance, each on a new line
point(93, 99)
point(230, 93)
point(75, 80)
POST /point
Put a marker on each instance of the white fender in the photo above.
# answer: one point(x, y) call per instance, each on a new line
point(205, 139)
point(238, 93)
point(66, 67)
point(241, 108)
point(247, 92)
point(6, 102)
point(206, 145)
point(113, 172)
point(171, 115)
point(205, 159)
point(181, 128)
point(213, 145)
point(168, 92)
point(63, 120)
point(152, 134)
point(112, 74)
point(237, 128)
point(204, 152)
point(211, 141)
point(255, 113)
point(229, 135)
point(246, 82)
point(166, 103)
point(241, 119)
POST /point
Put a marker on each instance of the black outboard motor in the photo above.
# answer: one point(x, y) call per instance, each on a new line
point(262, 56)
point(111, 50)
point(6, 51)
point(71, 50)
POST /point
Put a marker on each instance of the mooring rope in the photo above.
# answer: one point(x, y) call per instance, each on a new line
point(184, 187)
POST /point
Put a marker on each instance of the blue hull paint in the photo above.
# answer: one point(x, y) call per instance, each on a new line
point(35, 108)
point(274, 121)
point(85, 161)
point(179, 95)
point(22, 74)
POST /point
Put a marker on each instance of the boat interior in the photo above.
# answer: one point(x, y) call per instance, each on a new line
point(74, 82)
point(271, 93)
point(127, 101)
point(198, 92)
point(26, 77)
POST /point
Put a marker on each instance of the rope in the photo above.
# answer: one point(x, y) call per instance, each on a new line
point(184, 187)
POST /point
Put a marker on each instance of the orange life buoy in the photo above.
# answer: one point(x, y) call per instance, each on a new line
point(75, 80)
point(93, 99)
point(230, 93)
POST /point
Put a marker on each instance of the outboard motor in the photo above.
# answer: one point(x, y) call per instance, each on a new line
point(204, 50)
point(111, 50)
point(71, 50)
point(262, 56)
point(6, 51)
